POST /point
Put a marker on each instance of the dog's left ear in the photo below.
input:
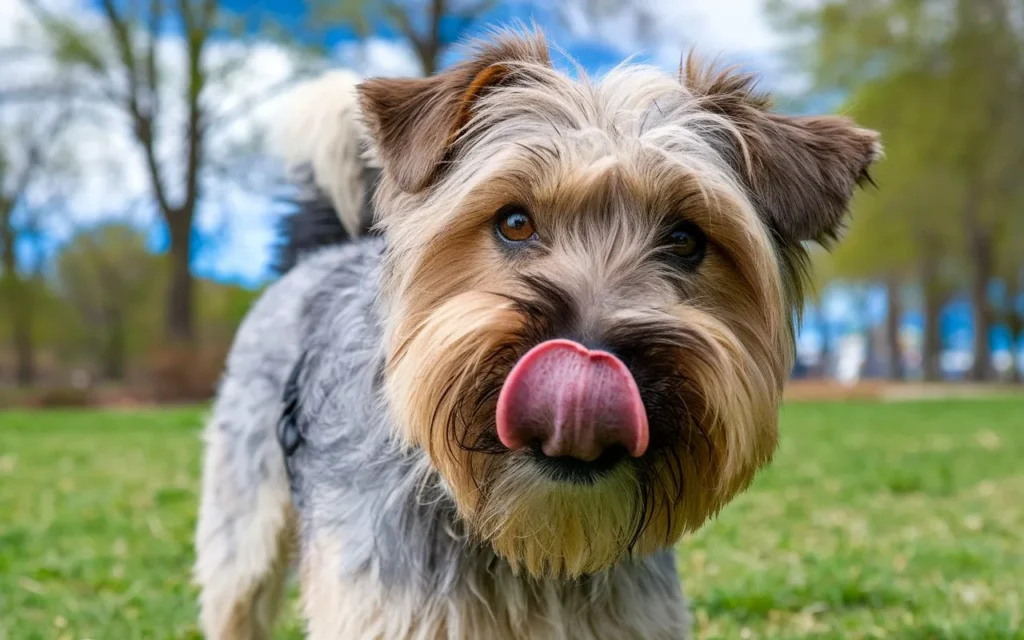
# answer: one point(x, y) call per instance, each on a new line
point(800, 172)
point(415, 121)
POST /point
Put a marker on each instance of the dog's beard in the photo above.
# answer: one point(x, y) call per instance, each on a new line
point(711, 403)
point(548, 527)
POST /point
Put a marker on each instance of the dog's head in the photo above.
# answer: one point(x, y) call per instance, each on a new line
point(590, 289)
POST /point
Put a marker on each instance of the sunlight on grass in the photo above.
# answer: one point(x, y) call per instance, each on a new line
point(900, 521)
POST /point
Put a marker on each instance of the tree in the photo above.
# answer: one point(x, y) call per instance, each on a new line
point(106, 274)
point(987, 60)
point(1011, 270)
point(131, 70)
point(433, 27)
point(13, 288)
point(903, 231)
point(894, 311)
point(31, 163)
point(945, 83)
point(430, 27)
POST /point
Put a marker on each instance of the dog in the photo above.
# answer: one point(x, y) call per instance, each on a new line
point(562, 347)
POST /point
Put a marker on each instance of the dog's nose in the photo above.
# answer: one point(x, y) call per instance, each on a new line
point(574, 401)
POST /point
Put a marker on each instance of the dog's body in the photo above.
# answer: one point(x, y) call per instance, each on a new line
point(385, 556)
point(566, 349)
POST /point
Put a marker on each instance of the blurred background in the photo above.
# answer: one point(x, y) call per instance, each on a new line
point(139, 216)
point(140, 205)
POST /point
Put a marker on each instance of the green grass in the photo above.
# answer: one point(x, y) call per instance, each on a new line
point(900, 521)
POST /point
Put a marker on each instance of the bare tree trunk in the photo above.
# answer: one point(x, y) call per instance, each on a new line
point(825, 359)
point(931, 347)
point(982, 259)
point(6, 260)
point(19, 296)
point(430, 49)
point(114, 348)
point(1014, 322)
point(24, 345)
point(431, 44)
point(892, 329)
point(427, 46)
point(180, 327)
point(141, 102)
point(872, 353)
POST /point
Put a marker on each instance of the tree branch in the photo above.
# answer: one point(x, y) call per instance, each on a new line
point(197, 31)
point(152, 79)
point(142, 121)
point(400, 16)
point(35, 160)
point(433, 37)
point(121, 31)
point(34, 163)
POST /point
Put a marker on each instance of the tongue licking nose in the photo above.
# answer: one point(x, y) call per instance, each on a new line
point(574, 401)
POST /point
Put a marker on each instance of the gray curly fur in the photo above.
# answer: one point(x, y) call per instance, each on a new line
point(351, 480)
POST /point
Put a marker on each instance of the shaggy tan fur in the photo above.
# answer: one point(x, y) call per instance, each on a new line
point(602, 165)
point(416, 521)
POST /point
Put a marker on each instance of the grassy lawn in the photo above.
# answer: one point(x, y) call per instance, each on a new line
point(900, 521)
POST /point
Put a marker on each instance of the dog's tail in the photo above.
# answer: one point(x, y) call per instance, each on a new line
point(323, 143)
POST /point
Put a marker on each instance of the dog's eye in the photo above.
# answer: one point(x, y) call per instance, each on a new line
point(687, 242)
point(514, 224)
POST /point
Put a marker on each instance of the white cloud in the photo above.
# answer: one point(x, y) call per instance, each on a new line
point(235, 217)
point(733, 31)
point(730, 26)
point(111, 180)
point(379, 57)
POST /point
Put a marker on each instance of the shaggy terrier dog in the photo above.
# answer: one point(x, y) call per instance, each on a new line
point(563, 346)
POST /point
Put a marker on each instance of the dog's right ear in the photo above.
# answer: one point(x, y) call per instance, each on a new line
point(415, 121)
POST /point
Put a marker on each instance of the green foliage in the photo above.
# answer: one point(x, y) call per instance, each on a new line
point(49, 321)
point(222, 308)
point(874, 520)
point(944, 83)
point(102, 305)
point(123, 63)
point(106, 275)
point(75, 46)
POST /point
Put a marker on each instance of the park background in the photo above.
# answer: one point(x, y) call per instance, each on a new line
point(141, 198)
point(140, 205)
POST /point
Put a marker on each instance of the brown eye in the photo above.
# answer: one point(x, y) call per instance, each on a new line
point(688, 243)
point(514, 225)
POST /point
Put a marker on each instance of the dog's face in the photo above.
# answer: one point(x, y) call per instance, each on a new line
point(590, 291)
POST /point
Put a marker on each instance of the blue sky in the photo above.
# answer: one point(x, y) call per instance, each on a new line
point(738, 35)
point(236, 232)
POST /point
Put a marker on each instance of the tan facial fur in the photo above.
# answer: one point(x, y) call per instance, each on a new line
point(605, 168)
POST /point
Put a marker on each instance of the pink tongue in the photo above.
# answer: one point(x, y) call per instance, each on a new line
point(576, 402)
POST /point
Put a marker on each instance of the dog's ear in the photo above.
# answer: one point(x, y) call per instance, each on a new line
point(800, 171)
point(415, 121)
